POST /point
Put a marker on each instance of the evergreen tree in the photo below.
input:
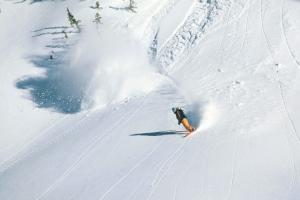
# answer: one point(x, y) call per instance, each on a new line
point(97, 6)
point(73, 21)
point(97, 19)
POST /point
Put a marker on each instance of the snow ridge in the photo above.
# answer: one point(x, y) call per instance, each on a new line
point(202, 16)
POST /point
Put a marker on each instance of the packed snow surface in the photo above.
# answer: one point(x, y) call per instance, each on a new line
point(86, 114)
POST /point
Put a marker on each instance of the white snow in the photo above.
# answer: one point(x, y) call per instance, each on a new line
point(95, 122)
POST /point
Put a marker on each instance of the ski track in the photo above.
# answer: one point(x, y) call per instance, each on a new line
point(111, 188)
point(235, 160)
point(264, 32)
point(18, 157)
point(132, 195)
point(188, 167)
point(235, 37)
point(291, 157)
point(234, 164)
point(287, 113)
point(162, 177)
point(240, 52)
point(283, 106)
point(284, 109)
point(175, 191)
point(165, 162)
point(244, 37)
point(283, 102)
point(280, 87)
point(159, 176)
point(221, 47)
point(86, 152)
point(291, 53)
point(280, 84)
point(12, 158)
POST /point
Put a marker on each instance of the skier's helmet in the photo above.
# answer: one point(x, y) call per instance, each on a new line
point(174, 109)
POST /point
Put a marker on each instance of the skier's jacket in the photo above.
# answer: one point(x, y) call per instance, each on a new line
point(179, 115)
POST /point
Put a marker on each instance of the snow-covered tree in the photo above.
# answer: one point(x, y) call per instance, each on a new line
point(132, 6)
point(73, 21)
point(97, 19)
point(97, 6)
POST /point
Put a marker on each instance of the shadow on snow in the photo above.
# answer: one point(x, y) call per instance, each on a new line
point(60, 88)
point(160, 133)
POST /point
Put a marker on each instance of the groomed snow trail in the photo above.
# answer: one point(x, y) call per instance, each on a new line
point(233, 66)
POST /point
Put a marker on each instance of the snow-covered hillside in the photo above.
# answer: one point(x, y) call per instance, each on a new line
point(86, 114)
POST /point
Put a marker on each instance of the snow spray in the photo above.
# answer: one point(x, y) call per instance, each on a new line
point(118, 67)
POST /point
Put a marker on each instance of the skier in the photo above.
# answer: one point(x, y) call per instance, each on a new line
point(182, 119)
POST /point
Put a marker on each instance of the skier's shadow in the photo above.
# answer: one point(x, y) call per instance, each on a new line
point(160, 133)
point(58, 88)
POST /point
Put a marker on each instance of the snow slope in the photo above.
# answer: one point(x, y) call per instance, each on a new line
point(96, 122)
